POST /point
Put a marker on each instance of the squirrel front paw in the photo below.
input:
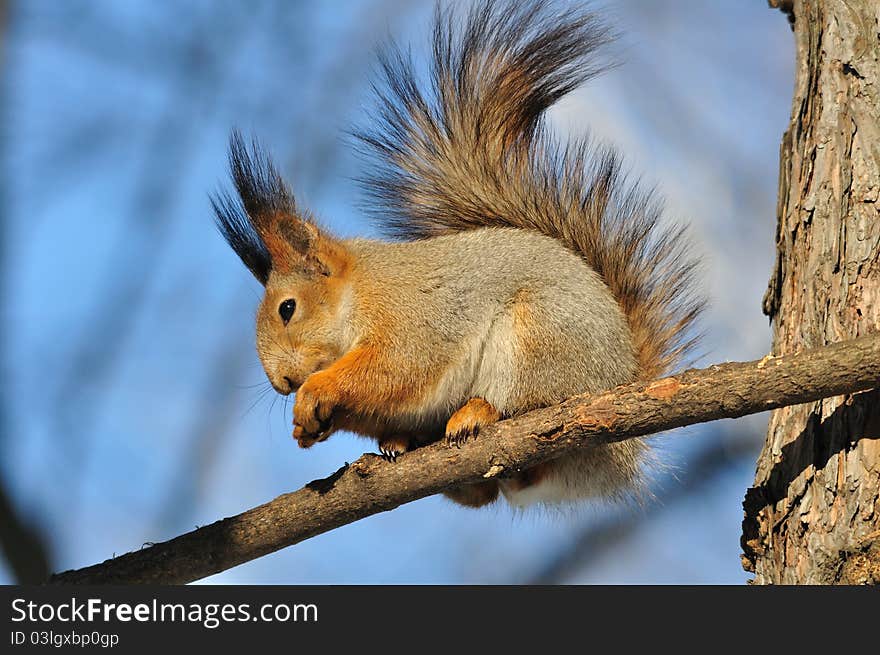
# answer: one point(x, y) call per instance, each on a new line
point(313, 411)
point(466, 423)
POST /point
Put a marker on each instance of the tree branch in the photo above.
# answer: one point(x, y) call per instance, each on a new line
point(371, 485)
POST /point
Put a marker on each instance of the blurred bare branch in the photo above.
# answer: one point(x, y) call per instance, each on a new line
point(21, 543)
point(194, 87)
point(214, 418)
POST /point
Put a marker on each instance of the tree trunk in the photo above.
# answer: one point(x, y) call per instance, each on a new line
point(813, 515)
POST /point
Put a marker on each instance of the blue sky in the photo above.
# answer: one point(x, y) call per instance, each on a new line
point(131, 381)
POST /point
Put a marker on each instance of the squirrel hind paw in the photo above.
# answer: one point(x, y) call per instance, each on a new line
point(467, 422)
point(393, 447)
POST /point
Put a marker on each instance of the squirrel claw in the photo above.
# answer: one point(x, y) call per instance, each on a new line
point(389, 455)
point(456, 439)
point(466, 422)
point(393, 447)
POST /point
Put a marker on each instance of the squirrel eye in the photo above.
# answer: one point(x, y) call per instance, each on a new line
point(286, 309)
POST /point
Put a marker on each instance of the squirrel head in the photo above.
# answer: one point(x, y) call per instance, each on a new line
point(302, 319)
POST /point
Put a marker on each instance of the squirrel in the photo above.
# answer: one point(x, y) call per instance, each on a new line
point(519, 271)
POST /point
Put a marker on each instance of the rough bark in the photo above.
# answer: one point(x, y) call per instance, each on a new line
point(372, 485)
point(813, 515)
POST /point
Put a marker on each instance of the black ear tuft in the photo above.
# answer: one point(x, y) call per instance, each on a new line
point(238, 230)
point(262, 196)
point(262, 190)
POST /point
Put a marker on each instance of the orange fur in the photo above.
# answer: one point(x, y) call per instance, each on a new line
point(362, 383)
point(466, 423)
point(283, 256)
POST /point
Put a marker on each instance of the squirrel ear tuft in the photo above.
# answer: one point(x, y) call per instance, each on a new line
point(263, 225)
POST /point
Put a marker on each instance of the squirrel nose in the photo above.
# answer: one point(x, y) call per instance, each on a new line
point(284, 386)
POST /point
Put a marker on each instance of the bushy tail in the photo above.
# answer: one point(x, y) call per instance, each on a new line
point(469, 149)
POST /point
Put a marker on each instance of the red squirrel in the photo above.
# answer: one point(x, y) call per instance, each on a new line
point(521, 270)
